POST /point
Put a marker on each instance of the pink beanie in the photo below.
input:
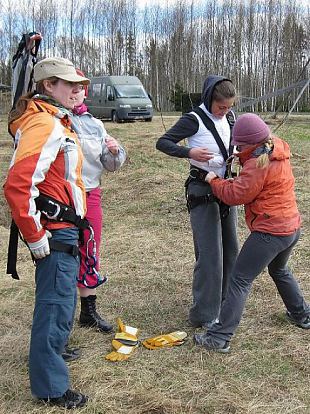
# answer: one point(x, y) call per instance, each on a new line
point(249, 129)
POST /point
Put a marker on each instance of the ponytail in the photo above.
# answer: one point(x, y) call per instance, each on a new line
point(20, 107)
point(263, 159)
point(23, 101)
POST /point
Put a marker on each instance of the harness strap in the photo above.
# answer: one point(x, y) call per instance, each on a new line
point(194, 201)
point(209, 124)
point(12, 251)
point(198, 173)
point(63, 247)
point(55, 210)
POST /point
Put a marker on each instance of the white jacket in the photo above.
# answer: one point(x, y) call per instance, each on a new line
point(97, 158)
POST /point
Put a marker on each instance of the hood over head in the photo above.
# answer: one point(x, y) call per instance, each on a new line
point(208, 87)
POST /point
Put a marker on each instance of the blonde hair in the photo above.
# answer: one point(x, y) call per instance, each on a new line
point(23, 101)
point(263, 159)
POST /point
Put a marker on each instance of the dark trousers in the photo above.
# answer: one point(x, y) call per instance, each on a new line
point(55, 302)
point(216, 250)
point(259, 251)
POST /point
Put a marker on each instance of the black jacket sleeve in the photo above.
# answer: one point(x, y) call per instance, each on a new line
point(185, 127)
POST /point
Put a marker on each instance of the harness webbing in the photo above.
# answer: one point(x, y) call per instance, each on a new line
point(12, 251)
point(22, 66)
point(209, 124)
point(63, 247)
point(22, 82)
point(55, 210)
point(198, 174)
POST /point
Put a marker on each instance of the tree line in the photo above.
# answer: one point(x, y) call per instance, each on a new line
point(262, 45)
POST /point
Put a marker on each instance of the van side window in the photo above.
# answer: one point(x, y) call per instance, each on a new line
point(110, 91)
point(96, 89)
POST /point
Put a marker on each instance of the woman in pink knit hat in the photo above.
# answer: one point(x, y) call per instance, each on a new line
point(266, 188)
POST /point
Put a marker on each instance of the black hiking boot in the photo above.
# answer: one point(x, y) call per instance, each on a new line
point(70, 399)
point(89, 316)
point(70, 354)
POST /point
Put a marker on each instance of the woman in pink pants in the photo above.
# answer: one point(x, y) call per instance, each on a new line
point(102, 153)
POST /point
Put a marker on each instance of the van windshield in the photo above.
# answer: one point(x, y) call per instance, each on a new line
point(130, 91)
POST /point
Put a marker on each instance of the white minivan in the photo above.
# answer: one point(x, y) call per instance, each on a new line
point(120, 98)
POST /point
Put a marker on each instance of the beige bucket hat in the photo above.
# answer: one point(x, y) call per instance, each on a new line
point(60, 68)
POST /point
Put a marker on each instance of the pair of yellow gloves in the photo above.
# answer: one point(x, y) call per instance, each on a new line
point(126, 341)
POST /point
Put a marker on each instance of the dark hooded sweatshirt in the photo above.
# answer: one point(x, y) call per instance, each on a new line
point(188, 124)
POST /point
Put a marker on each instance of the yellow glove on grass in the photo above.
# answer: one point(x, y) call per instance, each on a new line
point(124, 342)
point(125, 328)
point(164, 341)
point(126, 339)
point(121, 353)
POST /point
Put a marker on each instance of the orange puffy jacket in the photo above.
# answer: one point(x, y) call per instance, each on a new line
point(267, 193)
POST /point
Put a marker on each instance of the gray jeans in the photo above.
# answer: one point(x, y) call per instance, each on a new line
point(216, 250)
point(260, 250)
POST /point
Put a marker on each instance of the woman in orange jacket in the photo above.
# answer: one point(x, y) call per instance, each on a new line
point(47, 165)
point(266, 188)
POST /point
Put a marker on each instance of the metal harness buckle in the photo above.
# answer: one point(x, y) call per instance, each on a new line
point(54, 215)
point(195, 171)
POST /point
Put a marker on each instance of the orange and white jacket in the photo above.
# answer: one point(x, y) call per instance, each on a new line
point(48, 160)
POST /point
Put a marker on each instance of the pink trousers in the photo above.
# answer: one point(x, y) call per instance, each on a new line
point(95, 217)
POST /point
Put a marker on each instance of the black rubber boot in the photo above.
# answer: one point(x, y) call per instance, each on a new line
point(89, 316)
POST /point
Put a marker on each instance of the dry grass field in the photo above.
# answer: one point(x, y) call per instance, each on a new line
point(148, 253)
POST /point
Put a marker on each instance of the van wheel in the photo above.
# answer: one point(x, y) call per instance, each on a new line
point(114, 117)
point(148, 119)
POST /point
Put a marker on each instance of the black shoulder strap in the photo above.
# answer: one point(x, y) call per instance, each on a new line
point(208, 123)
point(231, 119)
point(12, 251)
point(23, 63)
